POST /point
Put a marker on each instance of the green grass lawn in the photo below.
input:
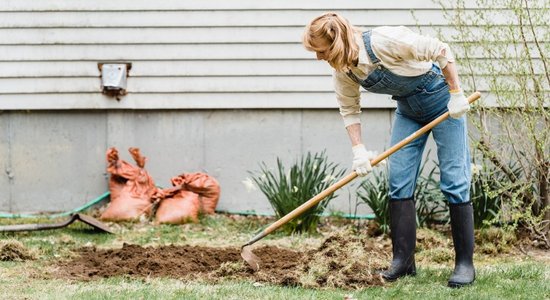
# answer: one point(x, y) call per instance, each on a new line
point(515, 276)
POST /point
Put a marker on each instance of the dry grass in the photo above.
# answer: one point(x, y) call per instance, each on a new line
point(13, 250)
point(345, 259)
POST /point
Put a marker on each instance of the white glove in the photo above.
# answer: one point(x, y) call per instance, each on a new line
point(361, 160)
point(458, 105)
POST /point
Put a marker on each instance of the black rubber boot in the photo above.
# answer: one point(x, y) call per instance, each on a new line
point(462, 225)
point(403, 238)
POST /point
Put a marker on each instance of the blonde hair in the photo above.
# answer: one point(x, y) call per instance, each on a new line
point(339, 34)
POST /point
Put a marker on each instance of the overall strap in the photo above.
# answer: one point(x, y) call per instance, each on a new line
point(367, 40)
point(368, 47)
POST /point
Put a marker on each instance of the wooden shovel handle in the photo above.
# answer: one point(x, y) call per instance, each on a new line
point(331, 189)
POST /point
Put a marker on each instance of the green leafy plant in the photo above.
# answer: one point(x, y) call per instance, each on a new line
point(375, 193)
point(431, 205)
point(486, 181)
point(288, 190)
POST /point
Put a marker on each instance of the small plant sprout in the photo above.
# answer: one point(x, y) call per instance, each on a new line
point(329, 178)
point(249, 184)
point(476, 169)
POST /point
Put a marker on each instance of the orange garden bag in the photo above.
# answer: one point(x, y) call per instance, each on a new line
point(131, 188)
point(205, 186)
point(177, 206)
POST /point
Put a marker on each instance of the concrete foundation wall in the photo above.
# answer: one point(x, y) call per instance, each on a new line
point(55, 160)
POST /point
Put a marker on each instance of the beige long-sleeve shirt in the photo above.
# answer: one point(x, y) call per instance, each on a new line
point(400, 50)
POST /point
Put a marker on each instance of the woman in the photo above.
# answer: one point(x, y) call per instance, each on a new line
point(399, 62)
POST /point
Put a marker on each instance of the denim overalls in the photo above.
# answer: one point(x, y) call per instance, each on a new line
point(421, 99)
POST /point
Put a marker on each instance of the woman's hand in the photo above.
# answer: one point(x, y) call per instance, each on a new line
point(458, 104)
point(361, 160)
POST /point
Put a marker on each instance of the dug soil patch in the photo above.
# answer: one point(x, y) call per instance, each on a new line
point(343, 261)
point(184, 262)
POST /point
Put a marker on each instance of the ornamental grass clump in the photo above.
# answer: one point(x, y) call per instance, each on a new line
point(375, 193)
point(286, 190)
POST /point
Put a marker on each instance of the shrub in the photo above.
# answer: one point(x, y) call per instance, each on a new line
point(512, 38)
point(484, 192)
point(288, 190)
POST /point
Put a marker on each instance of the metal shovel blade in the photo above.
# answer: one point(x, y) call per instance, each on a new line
point(250, 258)
point(76, 217)
point(94, 223)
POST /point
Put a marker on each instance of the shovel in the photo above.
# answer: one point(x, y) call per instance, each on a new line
point(76, 217)
point(254, 262)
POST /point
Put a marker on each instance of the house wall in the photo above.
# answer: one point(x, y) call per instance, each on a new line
point(215, 86)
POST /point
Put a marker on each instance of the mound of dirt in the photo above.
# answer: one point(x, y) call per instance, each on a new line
point(12, 250)
point(343, 260)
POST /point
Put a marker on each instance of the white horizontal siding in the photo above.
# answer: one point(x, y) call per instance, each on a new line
point(201, 68)
point(139, 52)
point(168, 68)
point(171, 84)
point(99, 5)
point(204, 54)
point(132, 35)
point(109, 5)
point(207, 18)
point(153, 52)
point(211, 84)
point(312, 100)
point(182, 35)
point(276, 100)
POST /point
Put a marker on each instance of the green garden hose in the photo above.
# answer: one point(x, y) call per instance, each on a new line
point(63, 214)
point(107, 194)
